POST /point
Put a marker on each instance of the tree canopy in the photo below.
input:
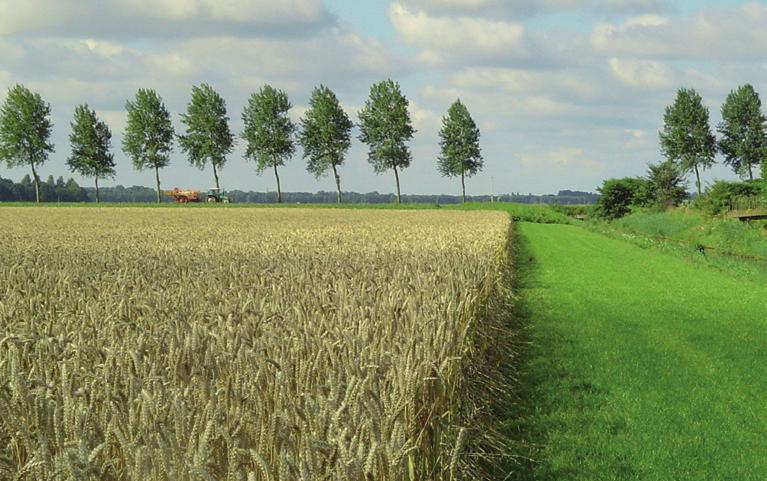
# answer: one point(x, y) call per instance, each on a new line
point(325, 135)
point(148, 136)
point(91, 142)
point(618, 195)
point(743, 129)
point(268, 131)
point(386, 127)
point(666, 186)
point(207, 137)
point(25, 131)
point(686, 137)
point(459, 143)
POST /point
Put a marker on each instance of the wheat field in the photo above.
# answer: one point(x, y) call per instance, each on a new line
point(251, 344)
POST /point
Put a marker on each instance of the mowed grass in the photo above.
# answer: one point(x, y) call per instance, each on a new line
point(640, 365)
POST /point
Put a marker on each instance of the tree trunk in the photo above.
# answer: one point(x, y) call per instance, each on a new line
point(279, 192)
point(396, 177)
point(750, 173)
point(338, 184)
point(157, 178)
point(37, 184)
point(463, 186)
point(697, 181)
point(215, 174)
point(98, 199)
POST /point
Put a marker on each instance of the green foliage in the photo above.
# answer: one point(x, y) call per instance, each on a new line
point(459, 143)
point(207, 137)
point(686, 137)
point(723, 195)
point(91, 142)
point(675, 224)
point(719, 236)
point(385, 127)
point(325, 132)
point(57, 191)
point(268, 129)
point(25, 131)
point(618, 195)
point(573, 209)
point(148, 136)
point(325, 135)
point(744, 139)
point(665, 186)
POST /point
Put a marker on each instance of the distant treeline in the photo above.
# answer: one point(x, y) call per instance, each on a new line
point(51, 190)
point(59, 190)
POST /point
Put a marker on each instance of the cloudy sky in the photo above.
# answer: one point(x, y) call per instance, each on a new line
point(566, 92)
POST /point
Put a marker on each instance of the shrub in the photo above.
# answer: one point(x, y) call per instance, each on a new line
point(666, 186)
point(618, 195)
point(724, 195)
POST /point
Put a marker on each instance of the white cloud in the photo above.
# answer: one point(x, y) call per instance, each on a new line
point(443, 39)
point(159, 18)
point(425, 120)
point(642, 74)
point(519, 9)
point(566, 158)
point(571, 84)
point(715, 34)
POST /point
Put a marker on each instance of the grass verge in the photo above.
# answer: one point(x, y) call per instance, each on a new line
point(639, 366)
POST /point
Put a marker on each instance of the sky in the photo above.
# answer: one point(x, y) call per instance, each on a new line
point(566, 93)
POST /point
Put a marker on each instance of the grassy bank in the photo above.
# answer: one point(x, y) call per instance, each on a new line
point(640, 366)
point(716, 233)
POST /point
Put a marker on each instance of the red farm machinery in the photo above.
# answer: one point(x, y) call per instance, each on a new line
point(212, 196)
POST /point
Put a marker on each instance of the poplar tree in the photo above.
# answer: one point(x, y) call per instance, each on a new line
point(744, 140)
point(91, 142)
point(269, 131)
point(25, 131)
point(325, 135)
point(207, 137)
point(459, 141)
point(148, 136)
point(386, 128)
point(686, 138)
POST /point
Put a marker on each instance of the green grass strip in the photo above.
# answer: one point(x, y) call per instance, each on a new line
point(640, 365)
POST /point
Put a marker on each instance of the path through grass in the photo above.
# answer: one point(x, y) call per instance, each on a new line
point(641, 365)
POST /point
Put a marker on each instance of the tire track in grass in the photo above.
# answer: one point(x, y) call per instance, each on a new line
point(640, 365)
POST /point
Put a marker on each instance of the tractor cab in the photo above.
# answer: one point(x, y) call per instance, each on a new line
point(215, 195)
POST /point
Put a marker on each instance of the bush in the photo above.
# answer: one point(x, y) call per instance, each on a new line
point(618, 195)
point(723, 196)
point(666, 186)
point(572, 209)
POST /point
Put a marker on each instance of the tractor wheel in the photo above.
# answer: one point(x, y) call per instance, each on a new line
point(183, 200)
point(225, 201)
point(212, 200)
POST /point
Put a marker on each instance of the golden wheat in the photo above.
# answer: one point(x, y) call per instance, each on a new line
point(234, 344)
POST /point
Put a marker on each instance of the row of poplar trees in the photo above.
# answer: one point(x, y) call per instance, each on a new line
point(687, 139)
point(269, 134)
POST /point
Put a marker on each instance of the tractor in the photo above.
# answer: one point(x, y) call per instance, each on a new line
point(215, 195)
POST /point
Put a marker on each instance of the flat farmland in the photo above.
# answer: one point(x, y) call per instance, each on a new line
point(251, 344)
